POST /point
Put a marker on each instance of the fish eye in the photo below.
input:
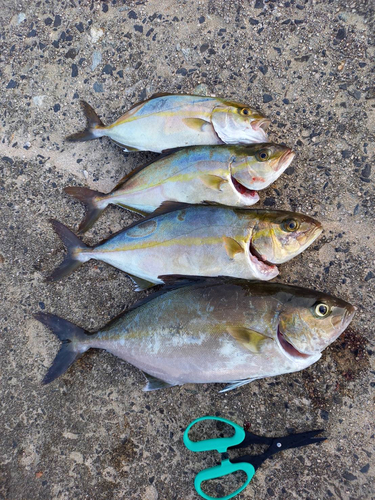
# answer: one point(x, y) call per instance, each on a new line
point(322, 310)
point(262, 155)
point(290, 225)
point(245, 111)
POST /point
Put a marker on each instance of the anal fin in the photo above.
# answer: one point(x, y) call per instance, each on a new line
point(238, 383)
point(154, 383)
point(141, 284)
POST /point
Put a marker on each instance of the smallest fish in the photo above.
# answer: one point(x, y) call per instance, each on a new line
point(225, 175)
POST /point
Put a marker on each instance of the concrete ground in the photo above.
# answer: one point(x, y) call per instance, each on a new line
point(93, 434)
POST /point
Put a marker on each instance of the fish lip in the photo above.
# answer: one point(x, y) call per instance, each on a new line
point(263, 266)
point(285, 160)
point(243, 191)
point(260, 123)
point(288, 348)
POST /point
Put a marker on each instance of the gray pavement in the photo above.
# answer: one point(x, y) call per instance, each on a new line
point(93, 434)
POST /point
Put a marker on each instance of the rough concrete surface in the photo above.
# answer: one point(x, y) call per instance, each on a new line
point(93, 433)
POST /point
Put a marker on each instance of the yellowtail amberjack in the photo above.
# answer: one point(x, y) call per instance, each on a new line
point(167, 121)
point(228, 175)
point(197, 240)
point(228, 331)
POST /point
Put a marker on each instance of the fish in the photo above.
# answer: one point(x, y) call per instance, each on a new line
point(168, 121)
point(225, 174)
point(221, 330)
point(196, 240)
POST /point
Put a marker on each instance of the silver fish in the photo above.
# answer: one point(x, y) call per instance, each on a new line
point(228, 175)
point(168, 121)
point(228, 331)
point(197, 240)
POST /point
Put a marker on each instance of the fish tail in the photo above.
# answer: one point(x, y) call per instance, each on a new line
point(94, 128)
point(94, 201)
point(75, 252)
point(74, 342)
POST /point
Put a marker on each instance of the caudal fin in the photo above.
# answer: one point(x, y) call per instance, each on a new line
point(90, 199)
point(74, 248)
point(73, 344)
point(94, 124)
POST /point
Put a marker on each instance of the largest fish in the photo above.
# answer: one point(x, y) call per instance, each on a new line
point(230, 331)
point(167, 121)
point(197, 240)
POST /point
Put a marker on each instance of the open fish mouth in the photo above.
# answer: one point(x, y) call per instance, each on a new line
point(288, 348)
point(261, 123)
point(244, 191)
point(261, 263)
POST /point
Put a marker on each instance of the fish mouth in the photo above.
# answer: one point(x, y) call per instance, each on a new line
point(285, 160)
point(261, 123)
point(265, 267)
point(244, 191)
point(289, 349)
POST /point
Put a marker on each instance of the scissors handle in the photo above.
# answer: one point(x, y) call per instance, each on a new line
point(225, 468)
point(219, 444)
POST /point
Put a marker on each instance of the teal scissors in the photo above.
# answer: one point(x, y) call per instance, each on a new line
point(247, 463)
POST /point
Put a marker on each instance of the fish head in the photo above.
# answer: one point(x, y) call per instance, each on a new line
point(279, 236)
point(238, 124)
point(310, 321)
point(257, 166)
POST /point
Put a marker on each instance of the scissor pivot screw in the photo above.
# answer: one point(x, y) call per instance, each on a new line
point(278, 445)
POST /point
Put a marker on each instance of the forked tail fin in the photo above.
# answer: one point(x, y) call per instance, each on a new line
point(73, 344)
point(93, 129)
point(90, 199)
point(74, 247)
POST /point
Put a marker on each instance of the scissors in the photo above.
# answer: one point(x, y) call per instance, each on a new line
point(247, 463)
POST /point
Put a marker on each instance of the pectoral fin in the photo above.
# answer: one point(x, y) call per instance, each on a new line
point(232, 247)
point(250, 339)
point(196, 124)
point(212, 181)
point(154, 383)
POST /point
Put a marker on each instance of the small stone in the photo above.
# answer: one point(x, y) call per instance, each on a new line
point(290, 171)
point(341, 34)
point(346, 153)
point(370, 275)
point(138, 28)
point(96, 59)
point(38, 100)
point(71, 54)
point(31, 34)
point(42, 306)
point(104, 7)
point(132, 15)
point(85, 174)
point(324, 414)
point(253, 22)
point(286, 101)
point(269, 202)
point(80, 27)
point(259, 4)
point(12, 84)
point(203, 47)
point(263, 70)
point(48, 21)
point(98, 87)
point(357, 95)
point(108, 70)
point(56, 108)
point(365, 469)
point(96, 34)
point(57, 21)
point(349, 476)
point(21, 17)
point(267, 98)
point(201, 20)
point(366, 172)
point(181, 71)
point(74, 70)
